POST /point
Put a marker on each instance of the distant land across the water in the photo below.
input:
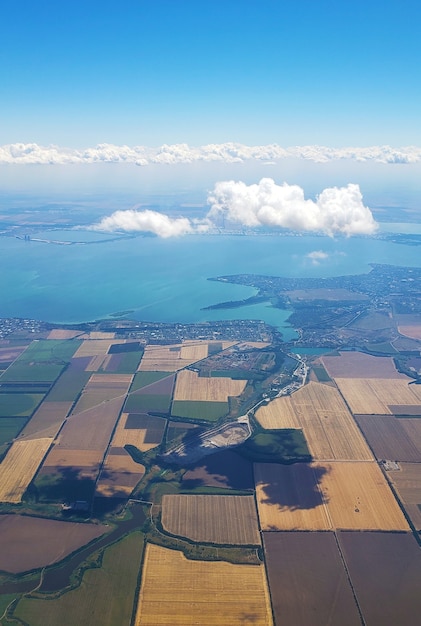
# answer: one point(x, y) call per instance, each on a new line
point(166, 280)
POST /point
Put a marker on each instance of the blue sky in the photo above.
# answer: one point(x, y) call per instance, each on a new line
point(148, 72)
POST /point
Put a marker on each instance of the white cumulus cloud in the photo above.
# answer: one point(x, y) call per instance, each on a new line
point(149, 221)
point(335, 211)
point(316, 256)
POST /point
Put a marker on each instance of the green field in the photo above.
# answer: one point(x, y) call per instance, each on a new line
point(9, 428)
point(42, 361)
point(68, 386)
point(278, 446)
point(142, 403)
point(321, 374)
point(105, 596)
point(199, 410)
point(19, 404)
point(142, 379)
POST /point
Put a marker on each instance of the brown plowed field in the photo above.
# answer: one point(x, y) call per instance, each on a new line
point(30, 542)
point(385, 570)
point(288, 497)
point(160, 387)
point(172, 358)
point(147, 435)
point(211, 519)
point(46, 421)
point(178, 592)
point(360, 365)
point(92, 429)
point(327, 424)
point(414, 331)
point(412, 426)
point(407, 483)
point(307, 580)
point(19, 467)
point(358, 497)
point(374, 395)
point(388, 437)
point(190, 386)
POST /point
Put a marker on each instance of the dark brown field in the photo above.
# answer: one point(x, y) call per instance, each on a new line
point(388, 438)
point(359, 365)
point(222, 469)
point(385, 570)
point(160, 387)
point(29, 542)
point(307, 580)
point(91, 429)
point(47, 420)
point(407, 483)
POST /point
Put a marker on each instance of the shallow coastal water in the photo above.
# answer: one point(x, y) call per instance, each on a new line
point(166, 280)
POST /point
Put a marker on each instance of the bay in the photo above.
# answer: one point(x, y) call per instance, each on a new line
point(165, 280)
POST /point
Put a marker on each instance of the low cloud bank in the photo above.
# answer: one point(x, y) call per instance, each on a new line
point(266, 204)
point(335, 211)
point(149, 221)
point(32, 153)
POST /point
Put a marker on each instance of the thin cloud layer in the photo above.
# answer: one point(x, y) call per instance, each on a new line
point(266, 204)
point(32, 153)
point(335, 211)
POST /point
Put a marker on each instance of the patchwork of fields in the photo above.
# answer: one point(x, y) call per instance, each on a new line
point(85, 419)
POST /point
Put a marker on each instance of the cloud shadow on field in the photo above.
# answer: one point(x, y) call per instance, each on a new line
point(293, 487)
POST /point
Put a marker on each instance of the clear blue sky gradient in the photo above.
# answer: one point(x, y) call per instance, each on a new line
point(297, 72)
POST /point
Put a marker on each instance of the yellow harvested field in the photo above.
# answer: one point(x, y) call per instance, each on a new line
point(215, 519)
point(374, 395)
point(94, 347)
point(328, 426)
point(122, 462)
point(61, 333)
point(288, 497)
point(174, 357)
point(413, 331)
point(62, 457)
point(179, 592)
point(279, 413)
point(190, 386)
point(19, 467)
point(358, 497)
point(132, 436)
point(98, 334)
point(407, 482)
point(115, 381)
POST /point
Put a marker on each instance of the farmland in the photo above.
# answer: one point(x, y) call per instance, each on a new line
point(385, 569)
point(389, 438)
point(47, 420)
point(119, 474)
point(211, 519)
point(360, 365)
point(111, 604)
point(190, 386)
point(199, 410)
point(176, 591)
point(308, 566)
point(288, 497)
point(30, 542)
point(407, 482)
point(358, 497)
point(375, 395)
point(328, 426)
point(19, 404)
point(141, 430)
point(172, 358)
point(19, 466)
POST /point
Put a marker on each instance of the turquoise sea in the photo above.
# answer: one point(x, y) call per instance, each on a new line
point(165, 280)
